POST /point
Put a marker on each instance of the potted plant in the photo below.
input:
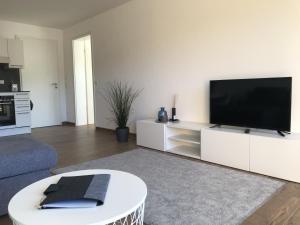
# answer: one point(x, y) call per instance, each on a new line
point(120, 97)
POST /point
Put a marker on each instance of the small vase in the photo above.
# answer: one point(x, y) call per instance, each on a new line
point(162, 115)
point(122, 134)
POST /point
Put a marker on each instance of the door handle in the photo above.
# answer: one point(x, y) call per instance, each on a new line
point(55, 85)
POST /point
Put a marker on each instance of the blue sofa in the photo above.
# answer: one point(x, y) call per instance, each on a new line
point(23, 161)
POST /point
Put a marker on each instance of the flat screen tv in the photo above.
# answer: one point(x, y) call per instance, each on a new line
point(263, 103)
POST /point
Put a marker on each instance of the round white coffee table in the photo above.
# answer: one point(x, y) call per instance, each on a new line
point(124, 203)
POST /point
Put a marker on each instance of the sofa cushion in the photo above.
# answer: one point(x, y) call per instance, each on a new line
point(22, 154)
point(11, 185)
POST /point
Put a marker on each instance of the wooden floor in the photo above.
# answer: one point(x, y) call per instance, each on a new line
point(78, 144)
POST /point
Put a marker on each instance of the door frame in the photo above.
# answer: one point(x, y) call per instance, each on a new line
point(93, 74)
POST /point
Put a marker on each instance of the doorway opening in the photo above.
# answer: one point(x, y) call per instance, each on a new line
point(83, 81)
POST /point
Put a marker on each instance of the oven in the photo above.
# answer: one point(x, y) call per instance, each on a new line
point(7, 111)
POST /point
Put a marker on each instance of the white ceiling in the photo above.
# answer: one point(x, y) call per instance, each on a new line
point(54, 13)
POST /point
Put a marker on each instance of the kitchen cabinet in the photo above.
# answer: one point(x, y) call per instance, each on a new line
point(22, 109)
point(3, 48)
point(20, 116)
point(15, 53)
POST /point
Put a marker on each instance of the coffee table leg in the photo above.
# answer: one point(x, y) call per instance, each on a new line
point(134, 218)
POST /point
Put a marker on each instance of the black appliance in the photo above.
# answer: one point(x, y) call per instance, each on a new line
point(263, 103)
point(10, 76)
point(7, 111)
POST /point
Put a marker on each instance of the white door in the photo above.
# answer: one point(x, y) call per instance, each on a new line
point(40, 77)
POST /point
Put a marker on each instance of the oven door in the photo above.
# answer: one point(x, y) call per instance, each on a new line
point(7, 111)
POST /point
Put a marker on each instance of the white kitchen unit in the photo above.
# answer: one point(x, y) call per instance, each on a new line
point(12, 52)
point(226, 147)
point(263, 152)
point(3, 48)
point(22, 109)
point(16, 118)
point(15, 53)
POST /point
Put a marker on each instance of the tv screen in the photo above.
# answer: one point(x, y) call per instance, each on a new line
point(263, 103)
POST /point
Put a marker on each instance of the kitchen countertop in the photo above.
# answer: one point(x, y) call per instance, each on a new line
point(13, 91)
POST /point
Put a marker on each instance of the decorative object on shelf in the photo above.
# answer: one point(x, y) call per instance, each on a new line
point(173, 118)
point(120, 97)
point(162, 116)
point(14, 87)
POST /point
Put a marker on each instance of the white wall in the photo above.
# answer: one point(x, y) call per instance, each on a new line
point(175, 47)
point(12, 29)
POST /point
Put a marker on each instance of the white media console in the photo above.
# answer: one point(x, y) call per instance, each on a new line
point(261, 152)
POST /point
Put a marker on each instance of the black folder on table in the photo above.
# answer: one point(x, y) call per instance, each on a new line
point(77, 192)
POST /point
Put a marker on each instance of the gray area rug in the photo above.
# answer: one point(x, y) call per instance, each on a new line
point(185, 192)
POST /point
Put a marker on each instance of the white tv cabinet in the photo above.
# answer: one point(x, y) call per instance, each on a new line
point(226, 147)
point(181, 138)
point(260, 152)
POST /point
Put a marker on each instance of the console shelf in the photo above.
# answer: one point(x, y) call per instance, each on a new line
point(186, 138)
point(192, 126)
point(183, 138)
point(186, 151)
